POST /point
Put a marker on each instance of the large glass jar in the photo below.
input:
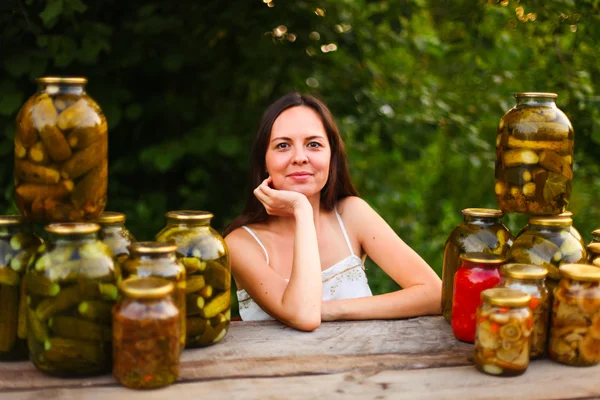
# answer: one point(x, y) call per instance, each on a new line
point(17, 250)
point(548, 242)
point(71, 288)
point(61, 145)
point(146, 332)
point(530, 279)
point(575, 330)
point(478, 271)
point(206, 259)
point(480, 231)
point(114, 234)
point(504, 323)
point(534, 157)
point(155, 259)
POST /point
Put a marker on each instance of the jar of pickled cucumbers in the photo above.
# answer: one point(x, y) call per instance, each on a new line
point(206, 259)
point(61, 145)
point(530, 279)
point(548, 242)
point(481, 230)
point(534, 157)
point(575, 328)
point(595, 236)
point(146, 332)
point(478, 271)
point(504, 325)
point(114, 234)
point(593, 250)
point(18, 246)
point(155, 259)
point(71, 288)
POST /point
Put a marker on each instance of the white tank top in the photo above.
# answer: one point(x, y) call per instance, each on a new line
point(343, 280)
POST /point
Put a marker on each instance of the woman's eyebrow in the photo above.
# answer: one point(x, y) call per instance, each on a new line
point(280, 138)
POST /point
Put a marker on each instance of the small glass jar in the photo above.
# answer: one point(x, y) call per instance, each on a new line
point(595, 236)
point(206, 259)
point(17, 250)
point(478, 271)
point(155, 259)
point(575, 328)
point(146, 332)
point(480, 231)
point(114, 234)
point(71, 287)
point(530, 279)
point(548, 242)
point(504, 325)
point(593, 250)
point(61, 146)
point(534, 157)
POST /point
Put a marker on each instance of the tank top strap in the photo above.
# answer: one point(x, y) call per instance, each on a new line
point(251, 232)
point(339, 218)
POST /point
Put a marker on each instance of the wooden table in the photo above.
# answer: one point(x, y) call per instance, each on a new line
point(408, 359)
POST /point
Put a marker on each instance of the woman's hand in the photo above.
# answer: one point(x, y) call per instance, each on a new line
point(281, 203)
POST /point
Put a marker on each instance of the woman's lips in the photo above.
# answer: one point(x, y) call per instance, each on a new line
point(300, 176)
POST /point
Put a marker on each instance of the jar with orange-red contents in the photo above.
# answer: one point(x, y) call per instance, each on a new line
point(478, 271)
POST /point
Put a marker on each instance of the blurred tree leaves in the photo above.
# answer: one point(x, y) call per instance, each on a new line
point(417, 86)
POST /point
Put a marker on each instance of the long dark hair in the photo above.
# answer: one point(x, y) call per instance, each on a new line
point(339, 184)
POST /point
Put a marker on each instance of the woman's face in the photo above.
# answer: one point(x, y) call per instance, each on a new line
point(298, 152)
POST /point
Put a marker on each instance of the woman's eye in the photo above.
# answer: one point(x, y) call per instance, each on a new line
point(282, 146)
point(314, 144)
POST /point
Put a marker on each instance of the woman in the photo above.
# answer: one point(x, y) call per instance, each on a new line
point(298, 249)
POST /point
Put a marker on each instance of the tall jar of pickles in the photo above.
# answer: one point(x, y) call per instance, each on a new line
point(480, 231)
point(18, 246)
point(575, 330)
point(61, 144)
point(534, 157)
point(153, 259)
point(206, 259)
point(71, 288)
point(114, 234)
point(530, 279)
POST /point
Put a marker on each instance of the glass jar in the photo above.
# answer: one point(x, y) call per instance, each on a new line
point(146, 334)
point(530, 279)
point(593, 250)
point(595, 236)
point(17, 250)
point(71, 288)
point(504, 325)
point(534, 157)
point(114, 234)
point(575, 328)
point(155, 259)
point(61, 146)
point(478, 271)
point(481, 230)
point(206, 259)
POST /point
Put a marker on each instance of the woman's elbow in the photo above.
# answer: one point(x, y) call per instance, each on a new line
point(306, 323)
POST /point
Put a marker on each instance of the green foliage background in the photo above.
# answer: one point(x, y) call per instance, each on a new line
point(417, 86)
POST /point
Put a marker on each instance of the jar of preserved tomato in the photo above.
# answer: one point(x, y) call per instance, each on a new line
point(478, 271)
point(61, 153)
point(481, 230)
point(159, 260)
point(146, 332)
point(575, 328)
point(530, 279)
point(18, 246)
point(504, 324)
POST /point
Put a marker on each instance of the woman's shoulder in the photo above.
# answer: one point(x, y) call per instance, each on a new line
point(351, 206)
point(241, 233)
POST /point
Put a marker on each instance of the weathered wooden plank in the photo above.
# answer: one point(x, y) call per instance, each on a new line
point(264, 349)
point(543, 380)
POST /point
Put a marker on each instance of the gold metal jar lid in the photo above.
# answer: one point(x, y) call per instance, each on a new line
point(6, 220)
point(111, 217)
point(536, 94)
point(153, 247)
point(505, 297)
point(72, 228)
point(567, 214)
point(594, 248)
point(146, 288)
point(189, 215)
point(63, 80)
point(483, 258)
point(550, 221)
point(483, 212)
point(580, 272)
point(524, 271)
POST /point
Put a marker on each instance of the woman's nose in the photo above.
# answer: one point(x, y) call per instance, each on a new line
point(300, 157)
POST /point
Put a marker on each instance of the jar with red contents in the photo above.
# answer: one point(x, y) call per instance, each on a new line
point(478, 271)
